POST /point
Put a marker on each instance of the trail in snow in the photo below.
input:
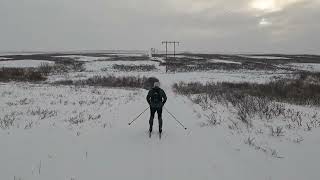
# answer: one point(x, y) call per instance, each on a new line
point(192, 154)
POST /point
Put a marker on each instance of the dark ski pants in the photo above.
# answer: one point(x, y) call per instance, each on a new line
point(153, 110)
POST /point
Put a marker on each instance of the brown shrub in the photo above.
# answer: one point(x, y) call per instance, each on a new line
point(21, 74)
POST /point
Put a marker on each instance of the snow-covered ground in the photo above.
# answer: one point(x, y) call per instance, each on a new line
point(83, 58)
point(18, 53)
point(223, 61)
point(212, 76)
point(185, 56)
point(127, 54)
point(23, 63)
point(263, 57)
point(3, 58)
point(81, 133)
point(306, 66)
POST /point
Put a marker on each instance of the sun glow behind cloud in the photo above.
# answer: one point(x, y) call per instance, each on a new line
point(264, 5)
point(271, 5)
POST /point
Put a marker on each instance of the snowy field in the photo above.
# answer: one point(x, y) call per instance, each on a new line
point(263, 57)
point(306, 66)
point(63, 132)
point(23, 63)
point(223, 61)
point(80, 58)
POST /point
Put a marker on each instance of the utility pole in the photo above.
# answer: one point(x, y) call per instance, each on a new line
point(174, 47)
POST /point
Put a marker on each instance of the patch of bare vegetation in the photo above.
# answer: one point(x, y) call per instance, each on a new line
point(42, 113)
point(82, 117)
point(61, 67)
point(111, 81)
point(250, 141)
point(200, 62)
point(128, 58)
point(264, 58)
point(19, 74)
point(191, 65)
point(40, 73)
point(7, 121)
point(299, 91)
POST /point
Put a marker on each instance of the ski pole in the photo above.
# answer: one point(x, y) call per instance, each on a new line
point(137, 117)
point(175, 118)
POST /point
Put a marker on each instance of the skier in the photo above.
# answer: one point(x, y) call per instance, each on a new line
point(156, 99)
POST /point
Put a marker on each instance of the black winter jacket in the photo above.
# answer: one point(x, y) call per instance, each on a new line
point(162, 94)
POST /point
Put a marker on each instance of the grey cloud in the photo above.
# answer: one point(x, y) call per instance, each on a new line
point(216, 26)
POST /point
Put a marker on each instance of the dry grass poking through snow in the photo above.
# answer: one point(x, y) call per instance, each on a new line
point(304, 90)
point(61, 67)
point(283, 108)
point(113, 81)
point(188, 64)
point(267, 101)
point(26, 107)
point(41, 73)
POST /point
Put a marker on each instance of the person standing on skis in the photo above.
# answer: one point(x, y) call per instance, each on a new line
point(156, 98)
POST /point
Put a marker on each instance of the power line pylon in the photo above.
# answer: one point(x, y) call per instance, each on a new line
point(174, 47)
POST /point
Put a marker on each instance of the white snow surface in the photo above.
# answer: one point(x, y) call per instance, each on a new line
point(81, 133)
point(19, 53)
point(223, 61)
point(23, 63)
point(83, 58)
point(263, 57)
point(127, 54)
point(4, 58)
point(185, 56)
point(306, 66)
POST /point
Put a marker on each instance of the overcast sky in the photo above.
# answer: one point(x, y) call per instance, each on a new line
point(237, 26)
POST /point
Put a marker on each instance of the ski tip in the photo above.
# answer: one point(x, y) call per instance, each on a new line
point(129, 124)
